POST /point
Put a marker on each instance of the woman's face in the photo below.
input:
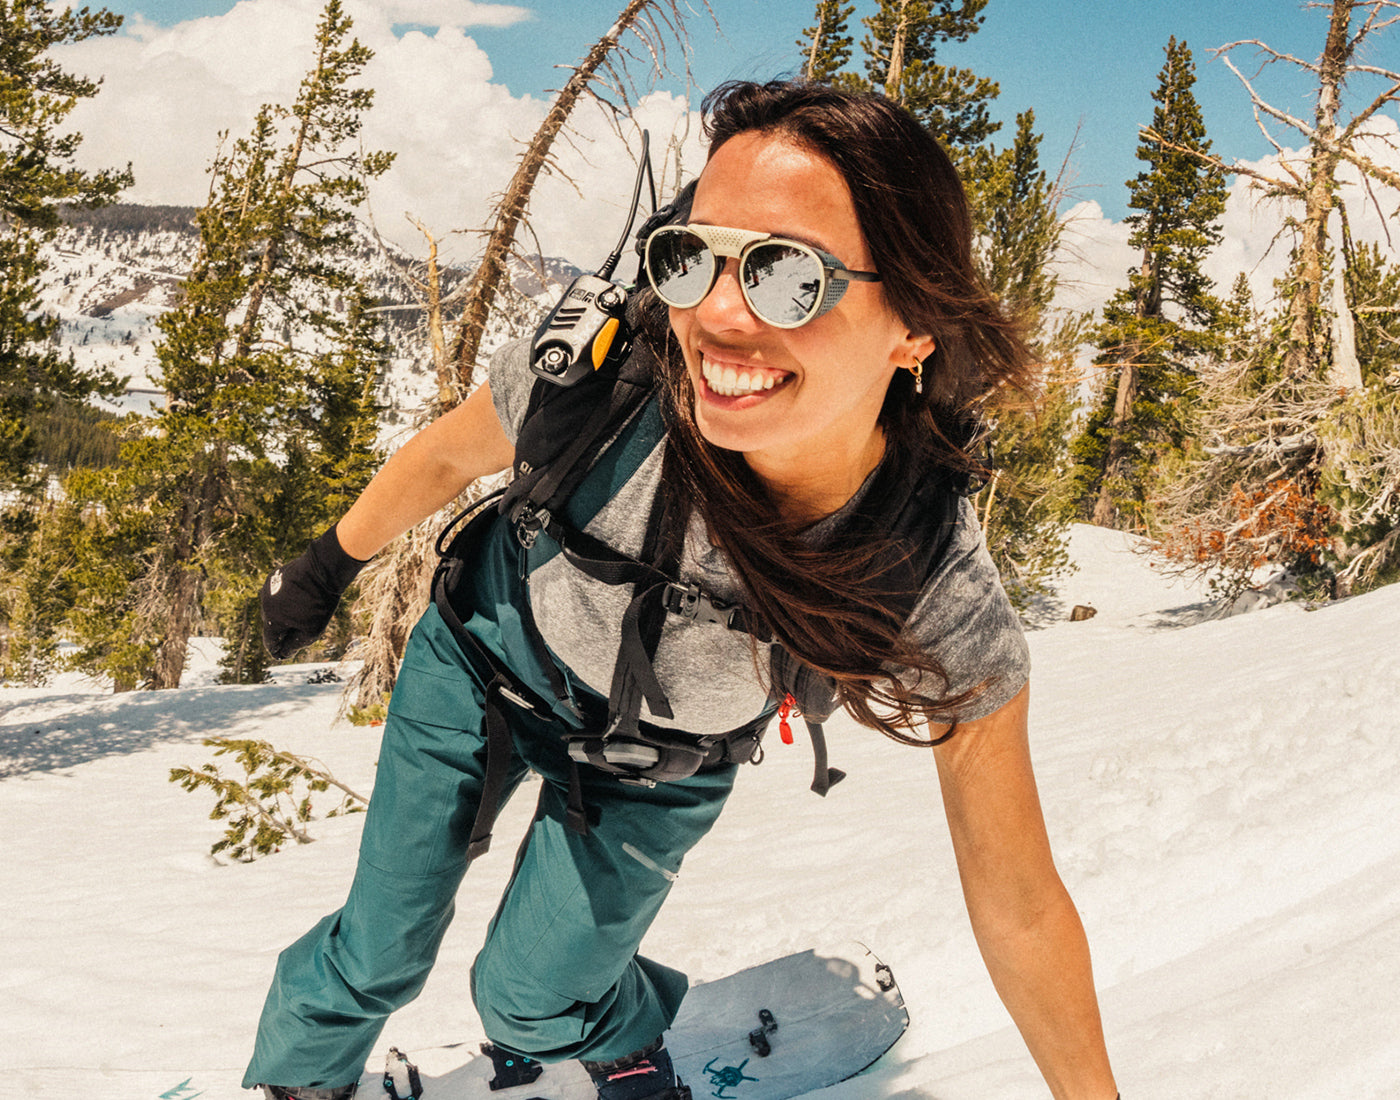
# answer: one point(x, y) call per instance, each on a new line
point(800, 404)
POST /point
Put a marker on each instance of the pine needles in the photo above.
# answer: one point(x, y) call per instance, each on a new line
point(272, 802)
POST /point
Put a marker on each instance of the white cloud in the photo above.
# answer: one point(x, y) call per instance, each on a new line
point(169, 92)
point(1094, 258)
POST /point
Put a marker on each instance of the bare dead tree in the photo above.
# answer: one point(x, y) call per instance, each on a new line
point(395, 590)
point(1312, 181)
point(651, 20)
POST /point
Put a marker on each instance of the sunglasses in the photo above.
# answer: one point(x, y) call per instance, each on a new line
point(785, 283)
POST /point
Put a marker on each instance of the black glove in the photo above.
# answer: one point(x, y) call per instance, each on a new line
point(299, 598)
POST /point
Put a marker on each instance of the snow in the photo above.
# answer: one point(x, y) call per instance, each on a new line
point(1222, 792)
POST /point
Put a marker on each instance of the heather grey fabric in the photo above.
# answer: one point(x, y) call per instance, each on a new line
point(963, 616)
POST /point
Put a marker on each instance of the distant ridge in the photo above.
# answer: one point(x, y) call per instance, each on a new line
point(133, 218)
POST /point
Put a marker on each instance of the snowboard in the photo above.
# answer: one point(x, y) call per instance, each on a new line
point(775, 1031)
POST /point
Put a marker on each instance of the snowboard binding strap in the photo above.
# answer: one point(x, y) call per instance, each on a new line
point(395, 1065)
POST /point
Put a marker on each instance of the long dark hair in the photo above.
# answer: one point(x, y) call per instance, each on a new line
point(824, 605)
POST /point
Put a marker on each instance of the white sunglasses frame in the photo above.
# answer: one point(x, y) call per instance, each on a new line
point(724, 242)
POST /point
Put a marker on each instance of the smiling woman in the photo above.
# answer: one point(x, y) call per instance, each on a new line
point(798, 484)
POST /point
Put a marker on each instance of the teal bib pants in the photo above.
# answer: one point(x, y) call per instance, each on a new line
point(559, 975)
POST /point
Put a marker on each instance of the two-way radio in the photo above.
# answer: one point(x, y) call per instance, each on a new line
point(585, 329)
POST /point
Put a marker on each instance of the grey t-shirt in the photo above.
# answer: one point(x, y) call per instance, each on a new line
point(709, 672)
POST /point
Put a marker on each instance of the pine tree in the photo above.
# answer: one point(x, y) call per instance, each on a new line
point(1155, 330)
point(1026, 509)
point(826, 49)
point(36, 175)
point(1360, 481)
point(261, 441)
point(901, 49)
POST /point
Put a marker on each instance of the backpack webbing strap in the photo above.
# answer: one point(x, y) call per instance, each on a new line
point(546, 471)
point(532, 490)
point(498, 754)
point(823, 777)
point(502, 690)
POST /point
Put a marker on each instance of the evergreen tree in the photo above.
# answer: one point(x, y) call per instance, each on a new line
point(900, 60)
point(1026, 509)
point(1373, 288)
point(36, 175)
point(261, 439)
point(826, 49)
point(901, 49)
point(1155, 329)
point(1359, 483)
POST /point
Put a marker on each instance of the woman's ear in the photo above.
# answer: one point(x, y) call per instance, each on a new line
point(919, 348)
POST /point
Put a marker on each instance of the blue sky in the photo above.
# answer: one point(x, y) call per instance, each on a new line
point(1085, 65)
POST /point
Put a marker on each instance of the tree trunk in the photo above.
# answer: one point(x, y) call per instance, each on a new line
point(1345, 373)
point(816, 46)
point(183, 582)
point(894, 78)
point(1303, 357)
point(1148, 303)
point(442, 366)
point(1119, 451)
point(183, 590)
point(272, 251)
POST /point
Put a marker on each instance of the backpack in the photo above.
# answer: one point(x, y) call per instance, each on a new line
point(565, 433)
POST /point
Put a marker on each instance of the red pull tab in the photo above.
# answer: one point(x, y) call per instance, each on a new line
point(784, 711)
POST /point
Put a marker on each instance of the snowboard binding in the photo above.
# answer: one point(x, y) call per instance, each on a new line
point(399, 1072)
point(758, 1037)
point(510, 1069)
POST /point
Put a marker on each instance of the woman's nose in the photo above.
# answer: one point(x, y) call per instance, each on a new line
point(725, 307)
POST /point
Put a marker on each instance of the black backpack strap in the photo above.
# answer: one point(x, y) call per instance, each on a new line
point(566, 429)
point(823, 776)
point(503, 690)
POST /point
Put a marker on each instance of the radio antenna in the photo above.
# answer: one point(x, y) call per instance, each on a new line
point(643, 169)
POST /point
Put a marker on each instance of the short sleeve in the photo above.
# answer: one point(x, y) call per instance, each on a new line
point(511, 382)
point(965, 621)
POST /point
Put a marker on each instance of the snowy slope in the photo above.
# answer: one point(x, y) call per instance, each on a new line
point(1223, 795)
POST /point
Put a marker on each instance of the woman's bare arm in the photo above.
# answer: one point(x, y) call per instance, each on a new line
point(425, 474)
point(1026, 925)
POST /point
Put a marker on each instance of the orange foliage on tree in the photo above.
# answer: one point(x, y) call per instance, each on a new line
point(1280, 523)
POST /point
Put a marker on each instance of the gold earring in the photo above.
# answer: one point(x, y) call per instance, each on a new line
point(917, 370)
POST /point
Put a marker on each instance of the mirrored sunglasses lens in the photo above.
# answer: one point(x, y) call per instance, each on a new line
point(680, 266)
point(783, 283)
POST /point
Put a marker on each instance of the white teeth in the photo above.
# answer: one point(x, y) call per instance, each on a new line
point(727, 381)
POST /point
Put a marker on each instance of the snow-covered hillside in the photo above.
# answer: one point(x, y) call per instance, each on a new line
point(1223, 794)
point(114, 271)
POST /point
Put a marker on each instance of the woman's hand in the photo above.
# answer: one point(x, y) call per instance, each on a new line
point(1026, 925)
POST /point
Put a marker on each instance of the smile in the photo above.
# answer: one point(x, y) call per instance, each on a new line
point(728, 380)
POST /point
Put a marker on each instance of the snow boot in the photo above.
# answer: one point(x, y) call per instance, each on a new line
point(646, 1074)
point(302, 1092)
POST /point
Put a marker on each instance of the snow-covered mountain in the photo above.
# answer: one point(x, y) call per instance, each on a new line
point(114, 271)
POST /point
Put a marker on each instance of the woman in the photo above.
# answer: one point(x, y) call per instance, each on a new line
point(783, 403)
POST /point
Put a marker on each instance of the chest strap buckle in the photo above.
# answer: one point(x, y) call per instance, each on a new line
point(689, 601)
